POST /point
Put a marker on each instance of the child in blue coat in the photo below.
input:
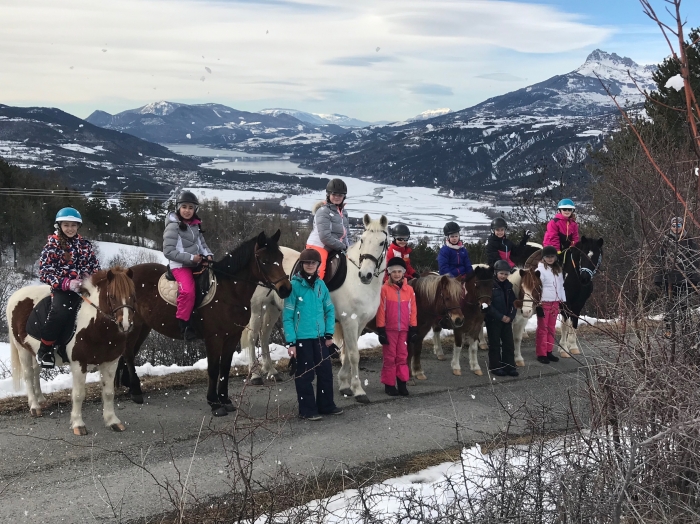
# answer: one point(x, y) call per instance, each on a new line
point(453, 258)
point(309, 322)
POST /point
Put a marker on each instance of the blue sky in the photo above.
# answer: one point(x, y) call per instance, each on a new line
point(370, 59)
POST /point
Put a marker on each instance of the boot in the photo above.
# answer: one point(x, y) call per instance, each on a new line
point(403, 390)
point(186, 329)
point(45, 356)
point(390, 390)
point(551, 357)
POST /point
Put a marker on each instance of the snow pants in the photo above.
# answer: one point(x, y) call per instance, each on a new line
point(313, 359)
point(546, 328)
point(501, 345)
point(395, 357)
point(64, 308)
point(324, 259)
point(185, 292)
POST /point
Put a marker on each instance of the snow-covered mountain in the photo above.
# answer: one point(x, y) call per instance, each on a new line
point(317, 118)
point(430, 113)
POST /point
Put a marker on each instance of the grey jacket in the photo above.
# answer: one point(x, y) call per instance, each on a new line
point(181, 245)
point(331, 228)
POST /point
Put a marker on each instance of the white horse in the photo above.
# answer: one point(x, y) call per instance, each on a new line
point(355, 302)
point(96, 343)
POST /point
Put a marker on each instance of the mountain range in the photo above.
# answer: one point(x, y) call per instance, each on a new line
point(320, 119)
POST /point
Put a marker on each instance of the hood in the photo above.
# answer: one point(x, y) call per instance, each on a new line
point(318, 205)
point(172, 217)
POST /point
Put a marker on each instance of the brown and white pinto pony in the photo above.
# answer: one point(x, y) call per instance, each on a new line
point(527, 288)
point(102, 327)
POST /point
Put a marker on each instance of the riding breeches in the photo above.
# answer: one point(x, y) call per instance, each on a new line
point(64, 308)
point(185, 292)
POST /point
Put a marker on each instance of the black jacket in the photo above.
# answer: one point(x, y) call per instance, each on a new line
point(502, 301)
point(676, 258)
point(502, 249)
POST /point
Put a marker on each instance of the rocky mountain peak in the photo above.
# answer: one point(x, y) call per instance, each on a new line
point(610, 59)
point(161, 108)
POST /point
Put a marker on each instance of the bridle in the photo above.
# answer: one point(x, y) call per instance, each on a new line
point(110, 315)
point(580, 268)
point(478, 298)
point(446, 310)
point(267, 282)
point(377, 260)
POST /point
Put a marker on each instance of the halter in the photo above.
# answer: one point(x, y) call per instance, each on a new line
point(446, 310)
point(478, 298)
point(377, 261)
point(591, 272)
point(109, 316)
point(270, 284)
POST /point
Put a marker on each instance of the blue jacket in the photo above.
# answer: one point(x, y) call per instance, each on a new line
point(308, 311)
point(454, 262)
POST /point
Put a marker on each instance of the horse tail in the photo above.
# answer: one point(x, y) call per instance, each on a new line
point(16, 366)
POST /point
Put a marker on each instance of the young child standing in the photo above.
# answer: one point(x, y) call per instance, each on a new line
point(552, 295)
point(399, 248)
point(184, 246)
point(562, 230)
point(499, 323)
point(397, 318)
point(309, 321)
point(66, 259)
point(453, 258)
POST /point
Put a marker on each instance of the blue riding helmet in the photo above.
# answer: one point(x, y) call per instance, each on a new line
point(68, 214)
point(566, 203)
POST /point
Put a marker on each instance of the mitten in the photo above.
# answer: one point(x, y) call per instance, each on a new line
point(381, 333)
point(74, 285)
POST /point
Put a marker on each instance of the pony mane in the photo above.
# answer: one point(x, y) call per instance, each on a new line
point(529, 279)
point(237, 260)
point(429, 285)
point(121, 287)
point(481, 272)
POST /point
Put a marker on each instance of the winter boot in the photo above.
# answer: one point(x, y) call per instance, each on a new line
point(45, 356)
point(403, 390)
point(542, 359)
point(390, 390)
point(186, 329)
point(551, 357)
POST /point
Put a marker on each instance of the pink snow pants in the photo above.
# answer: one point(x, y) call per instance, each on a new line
point(395, 355)
point(185, 292)
point(546, 327)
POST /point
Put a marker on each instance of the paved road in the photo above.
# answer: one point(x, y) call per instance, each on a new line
point(49, 475)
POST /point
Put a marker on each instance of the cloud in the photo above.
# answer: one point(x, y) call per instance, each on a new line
point(431, 89)
point(501, 77)
point(359, 61)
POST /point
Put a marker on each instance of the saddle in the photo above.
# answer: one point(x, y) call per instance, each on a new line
point(37, 319)
point(204, 283)
point(336, 270)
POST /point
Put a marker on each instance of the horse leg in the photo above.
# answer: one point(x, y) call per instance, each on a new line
point(344, 373)
point(224, 371)
point(108, 371)
point(483, 339)
point(564, 351)
point(269, 321)
point(457, 353)
point(352, 363)
point(573, 337)
point(30, 373)
point(417, 348)
point(248, 347)
point(77, 397)
point(129, 356)
point(519, 325)
point(473, 342)
point(437, 344)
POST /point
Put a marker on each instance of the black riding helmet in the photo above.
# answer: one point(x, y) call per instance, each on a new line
point(186, 197)
point(400, 231)
point(501, 265)
point(336, 185)
point(498, 222)
point(310, 255)
point(451, 228)
point(548, 251)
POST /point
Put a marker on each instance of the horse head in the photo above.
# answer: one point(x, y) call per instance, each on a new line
point(586, 257)
point(478, 287)
point(451, 292)
point(269, 268)
point(372, 249)
point(530, 291)
point(113, 294)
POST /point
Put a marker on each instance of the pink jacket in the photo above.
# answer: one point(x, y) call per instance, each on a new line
point(561, 232)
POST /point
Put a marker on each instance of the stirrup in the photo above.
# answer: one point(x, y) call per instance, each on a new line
point(47, 360)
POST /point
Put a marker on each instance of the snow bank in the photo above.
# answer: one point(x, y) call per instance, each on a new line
point(131, 255)
point(675, 82)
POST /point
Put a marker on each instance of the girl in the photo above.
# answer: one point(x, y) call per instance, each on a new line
point(453, 258)
point(552, 295)
point(562, 230)
point(499, 323)
point(331, 224)
point(397, 318)
point(308, 322)
point(399, 248)
point(66, 259)
point(184, 246)
point(498, 247)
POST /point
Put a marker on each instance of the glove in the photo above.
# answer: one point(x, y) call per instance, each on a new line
point(74, 285)
point(412, 333)
point(540, 311)
point(292, 367)
point(381, 332)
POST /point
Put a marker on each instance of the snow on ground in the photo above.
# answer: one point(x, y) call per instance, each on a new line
point(131, 255)
point(78, 148)
point(227, 195)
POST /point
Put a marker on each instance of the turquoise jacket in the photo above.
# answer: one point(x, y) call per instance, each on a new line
point(308, 312)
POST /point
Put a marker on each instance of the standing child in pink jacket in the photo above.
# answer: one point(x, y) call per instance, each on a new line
point(562, 230)
point(553, 295)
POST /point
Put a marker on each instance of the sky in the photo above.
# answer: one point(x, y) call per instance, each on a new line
point(369, 59)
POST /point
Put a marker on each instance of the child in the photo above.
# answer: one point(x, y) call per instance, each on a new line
point(397, 318)
point(66, 259)
point(453, 258)
point(399, 248)
point(552, 295)
point(499, 318)
point(308, 322)
point(498, 247)
point(184, 246)
point(562, 230)
point(331, 223)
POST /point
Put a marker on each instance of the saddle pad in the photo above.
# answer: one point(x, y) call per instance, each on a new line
point(37, 319)
point(168, 290)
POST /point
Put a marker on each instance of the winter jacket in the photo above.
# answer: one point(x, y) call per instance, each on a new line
point(331, 227)
point(58, 266)
point(502, 301)
point(182, 241)
point(454, 260)
point(677, 257)
point(308, 311)
point(552, 285)
point(397, 307)
point(404, 254)
point(502, 249)
point(562, 232)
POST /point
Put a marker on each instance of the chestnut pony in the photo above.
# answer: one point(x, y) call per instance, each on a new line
point(257, 261)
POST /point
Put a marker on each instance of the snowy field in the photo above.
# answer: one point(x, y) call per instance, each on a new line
point(228, 195)
point(131, 255)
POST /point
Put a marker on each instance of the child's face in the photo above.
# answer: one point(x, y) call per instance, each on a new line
point(502, 276)
point(310, 267)
point(187, 211)
point(401, 241)
point(453, 238)
point(70, 229)
point(337, 198)
point(550, 259)
point(397, 275)
point(566, 212)
point(500, 232)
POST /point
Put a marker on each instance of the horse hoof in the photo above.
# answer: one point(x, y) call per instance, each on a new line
point(346, 391)
point(478, 373)
point(564, 354)
point(221, 411)
point(80, 431)
point(483, 348)
point(137, 398)
point(520, 363)
point(575, 351)
point(362, 399)
point(441, 357)
point(36, 412)
point(421, 376)
point(257, 381)
point(119, 427)
point(458, 372)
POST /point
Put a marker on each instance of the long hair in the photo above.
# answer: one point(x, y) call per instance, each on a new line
point(555, 267)
point(63, 242)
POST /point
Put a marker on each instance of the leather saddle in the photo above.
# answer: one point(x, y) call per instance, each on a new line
point(336, 270)
point(204, 283)
point(37, 319)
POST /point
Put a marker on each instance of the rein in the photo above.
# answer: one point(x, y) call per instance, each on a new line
point(109, 316)
point(478, 298)
point(377, 261)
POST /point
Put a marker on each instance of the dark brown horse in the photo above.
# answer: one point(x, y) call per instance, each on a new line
point(438, 299)
point(257, 261)
point(102, 324)
point(478, 288)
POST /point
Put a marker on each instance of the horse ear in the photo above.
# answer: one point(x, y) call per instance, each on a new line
point(518, 304)
point(262, 239)
point(110, 276)
point(537, 272)
point(366, 220)
point(129, 273)
point(600, 242)
point(383, 222)
point(276, 236)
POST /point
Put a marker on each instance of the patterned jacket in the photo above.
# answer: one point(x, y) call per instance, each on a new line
point(331, 227)
point(58, 266)
point(397, 307)
point(182, 241)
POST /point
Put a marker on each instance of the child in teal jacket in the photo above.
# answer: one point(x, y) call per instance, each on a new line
point(309, 321)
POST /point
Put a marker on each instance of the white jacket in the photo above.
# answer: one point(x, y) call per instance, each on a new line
point(552, 285)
